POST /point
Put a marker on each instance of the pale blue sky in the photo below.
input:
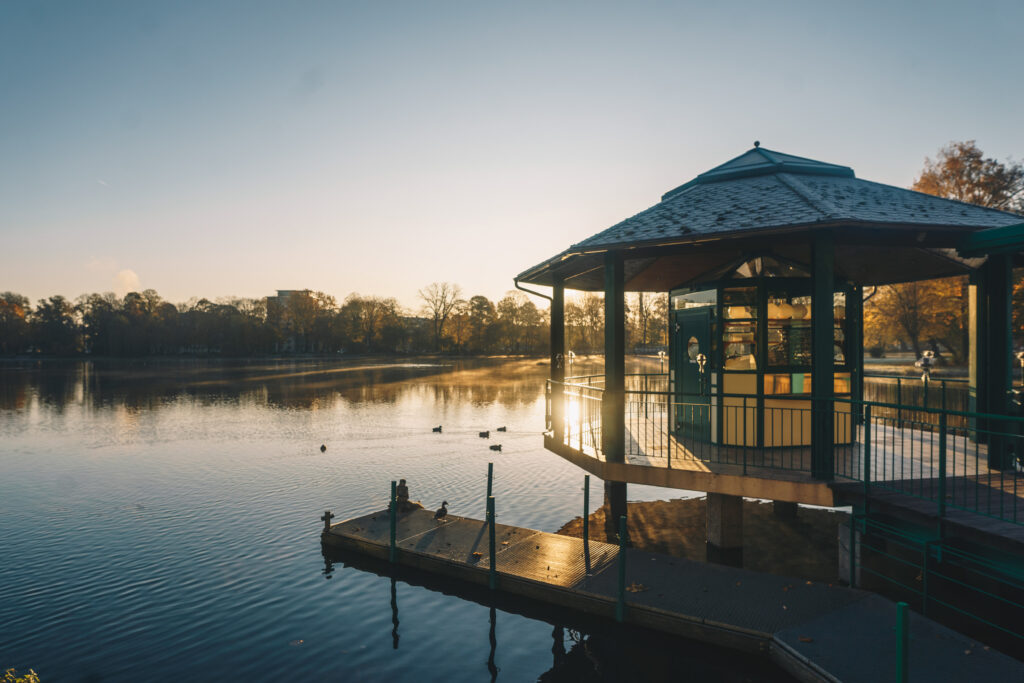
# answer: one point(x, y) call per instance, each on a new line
point(233, 148)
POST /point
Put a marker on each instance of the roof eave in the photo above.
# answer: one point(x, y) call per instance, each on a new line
point(529, 276)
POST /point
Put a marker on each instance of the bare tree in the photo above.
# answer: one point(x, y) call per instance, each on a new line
point(439, 299)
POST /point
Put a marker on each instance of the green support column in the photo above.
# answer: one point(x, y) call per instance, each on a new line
point(822, 361)
point(998, 312)
point(990, 346)
point(613, 407)
point(558, 361)
point(976, 351)
point(855, 345)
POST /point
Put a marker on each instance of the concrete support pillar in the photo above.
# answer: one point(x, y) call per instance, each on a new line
point(822, 356)
point(784, 510)
point(558, 361)
point(725, 529)
point(613, 405)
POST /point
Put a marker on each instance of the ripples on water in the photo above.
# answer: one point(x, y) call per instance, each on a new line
point(160, 521)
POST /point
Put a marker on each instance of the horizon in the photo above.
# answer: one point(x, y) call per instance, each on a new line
point(205, 151)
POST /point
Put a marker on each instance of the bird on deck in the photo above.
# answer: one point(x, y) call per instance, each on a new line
point(496, 447)
point(323, 448)
point(501, 429)
point(442, 512)
point(437, 429)
point(485, 435)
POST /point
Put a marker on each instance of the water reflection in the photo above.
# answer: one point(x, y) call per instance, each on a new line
point(394, 614)
point(298, 385)
point(492, 668)
point(599, 650)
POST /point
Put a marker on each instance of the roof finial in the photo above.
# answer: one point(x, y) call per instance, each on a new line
point(757, 143)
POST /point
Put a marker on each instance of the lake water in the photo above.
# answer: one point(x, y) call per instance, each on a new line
point(160, 521)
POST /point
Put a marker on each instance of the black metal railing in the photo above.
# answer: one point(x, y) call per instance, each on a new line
point(951, 458)
point(978, 594)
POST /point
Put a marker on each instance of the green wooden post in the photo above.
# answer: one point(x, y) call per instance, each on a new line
point(558, 362)
point(493, 577)
point(942, 467)
point(855, 344)
point(393, 507)
point(822, 355)
point(490, 477)
point(620, 606)
point(1000, 345)
point(902, 643)
point(613, 406)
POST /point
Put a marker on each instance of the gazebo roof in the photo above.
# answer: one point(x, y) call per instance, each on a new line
point(769, 201)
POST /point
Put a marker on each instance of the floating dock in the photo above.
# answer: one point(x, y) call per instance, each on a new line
point(815, 631)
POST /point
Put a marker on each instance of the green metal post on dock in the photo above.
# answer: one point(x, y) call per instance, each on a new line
point(393, 508)
point(620, 606)
point(586, 522)
point(902, 643)
point(492, 553)
point(490, 479)
point(586, 511)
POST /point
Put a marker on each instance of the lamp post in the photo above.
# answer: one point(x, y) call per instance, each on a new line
point(927, 358)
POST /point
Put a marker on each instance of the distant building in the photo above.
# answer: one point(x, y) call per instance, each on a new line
point(276, 307)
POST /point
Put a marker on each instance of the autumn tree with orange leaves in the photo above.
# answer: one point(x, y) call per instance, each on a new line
point(933, 313)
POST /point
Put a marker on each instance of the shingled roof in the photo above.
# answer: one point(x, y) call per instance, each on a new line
point(763, 192)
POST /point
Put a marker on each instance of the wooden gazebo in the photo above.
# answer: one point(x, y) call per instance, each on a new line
point(765, 259)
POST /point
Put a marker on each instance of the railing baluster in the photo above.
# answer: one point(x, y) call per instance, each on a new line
point(867, 454)
point(942, 468)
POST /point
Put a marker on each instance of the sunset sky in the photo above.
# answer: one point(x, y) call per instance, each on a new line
point(234, 148)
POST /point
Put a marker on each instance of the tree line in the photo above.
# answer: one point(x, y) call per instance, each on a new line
point(305, 321)
point(914, 316)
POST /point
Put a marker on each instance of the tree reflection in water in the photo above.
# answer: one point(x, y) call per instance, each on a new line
point(303, 385)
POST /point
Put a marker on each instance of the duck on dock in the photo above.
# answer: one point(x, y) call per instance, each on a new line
point(485, 435)
point(496, 447)
point(442, 512)
point(501, 429)
point(437, 429)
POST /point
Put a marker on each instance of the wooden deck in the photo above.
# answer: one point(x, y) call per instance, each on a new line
point(816, 631)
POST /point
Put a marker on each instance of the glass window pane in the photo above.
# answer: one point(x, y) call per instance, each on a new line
point(789, 327)
point(740, 343)
point(789, 343)
point(700, 299)
point(839, 340)
point(739, 302)
point(841, 385)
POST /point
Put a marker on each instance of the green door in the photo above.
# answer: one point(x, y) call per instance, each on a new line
point(692, 363)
